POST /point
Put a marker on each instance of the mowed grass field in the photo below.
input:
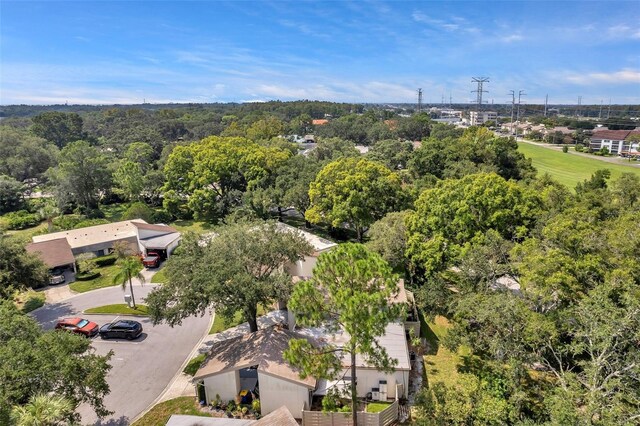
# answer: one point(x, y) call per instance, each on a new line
point(567, 168)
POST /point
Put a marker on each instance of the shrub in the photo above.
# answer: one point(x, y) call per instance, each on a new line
point(138, 210)
point(21, 219)
point(105, 260)
point(162, 216)
point(34, 302)
point(579, 147)
point(87, 276)
point(565, 149)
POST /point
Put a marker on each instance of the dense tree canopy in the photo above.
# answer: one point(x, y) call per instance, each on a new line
point(244, 269)
point(23, 155)
point(19, 270)
point(59, 128)
point(33, 362)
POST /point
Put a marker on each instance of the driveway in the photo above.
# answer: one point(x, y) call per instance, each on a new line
point(142, 368)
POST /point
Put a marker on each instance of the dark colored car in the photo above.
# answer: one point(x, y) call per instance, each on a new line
point(151, 260)
point(121, 329)
point(78, 325)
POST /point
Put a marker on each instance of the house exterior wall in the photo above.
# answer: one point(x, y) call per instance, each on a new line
point(171, 247)
point(302, 268)
point(275, 392)
point(370, 378)
point(227, 385)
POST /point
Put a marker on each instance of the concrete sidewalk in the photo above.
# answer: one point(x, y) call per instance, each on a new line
point(181, 384)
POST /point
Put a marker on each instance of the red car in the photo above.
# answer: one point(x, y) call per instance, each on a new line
point(78, 325)
point(152, 260)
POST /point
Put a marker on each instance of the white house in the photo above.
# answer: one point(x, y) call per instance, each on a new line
point(616, 141)
point(99, 240)
point(254, 362)
point(304, 267)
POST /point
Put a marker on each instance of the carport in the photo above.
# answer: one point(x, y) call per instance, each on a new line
point(54, 253)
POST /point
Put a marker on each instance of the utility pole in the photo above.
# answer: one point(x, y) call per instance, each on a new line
point(513, 104)
point(419, 100)
point(546, 101)
point(520, 94)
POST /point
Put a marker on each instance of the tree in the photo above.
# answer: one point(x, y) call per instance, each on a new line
point(49, 212)
point(353, 191)
point(211, 175)
point(34, 362)
point(81, 176)
point(140, 153)
point(350, 291)
point(388, 238)
point(23, 155)
point(130, 178)
point(58, 127)
point(244, 268)
point(43, 410)
point(19, 270)
point(129, 268)
point(11, 193)
point(392, 153)
point(333, 148)
point(138, 210)
point(458, 210)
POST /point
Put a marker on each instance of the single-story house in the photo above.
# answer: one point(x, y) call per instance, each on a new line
point(304, 267)
point(254, 362)
point(616, 141)
point(381, 385)
point(99, 240)
point(54, 253)
point(279, 417)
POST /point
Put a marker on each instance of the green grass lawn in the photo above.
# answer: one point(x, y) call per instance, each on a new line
point(26, 234)
point(119, 308)
point(192, 225)
point(159, 277)
point(194, 365)
point(104, 280)
point(567, 168)
point(441, 365)
point(160, 413)
point(220, 325)
point(113, 212)
point(376, 407)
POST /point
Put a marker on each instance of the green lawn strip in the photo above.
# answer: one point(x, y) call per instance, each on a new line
point(104, 280)
point(193, 365)
point(159, 277)
point(376, 407)
point(160, 413)
point(119, 308)
point(569, 169)
point(191, 225)
point(219, 323)
point(113, 212)
point(441, 365)
point(25, 234)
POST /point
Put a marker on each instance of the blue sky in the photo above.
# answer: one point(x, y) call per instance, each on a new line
point(360, 51)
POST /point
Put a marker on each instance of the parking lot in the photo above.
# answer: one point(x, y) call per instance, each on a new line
point(143, 367)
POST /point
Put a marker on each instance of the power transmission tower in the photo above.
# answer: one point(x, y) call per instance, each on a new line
point(609, 109)
point(579, 105)
point(546, 101)
point(450, 100)
point(479, 91)
point(520, 94)
point(600, 113)
point(419, 100)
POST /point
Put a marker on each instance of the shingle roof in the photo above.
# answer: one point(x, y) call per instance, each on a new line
point(263, 348)
point(616, 135)
point(280, 417)
point(53, 252)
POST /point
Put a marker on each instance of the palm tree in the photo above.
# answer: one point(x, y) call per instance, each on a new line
point(48, 212)
point(130, 267)
point(43, 410)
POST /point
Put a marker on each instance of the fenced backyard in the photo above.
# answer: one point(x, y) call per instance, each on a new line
point(385, 417)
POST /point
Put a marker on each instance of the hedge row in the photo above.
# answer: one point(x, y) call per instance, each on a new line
point(82, 276)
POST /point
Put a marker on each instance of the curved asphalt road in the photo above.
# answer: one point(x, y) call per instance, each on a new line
point(143, 368)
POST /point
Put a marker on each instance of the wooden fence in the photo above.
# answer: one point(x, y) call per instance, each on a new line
point(385, 417)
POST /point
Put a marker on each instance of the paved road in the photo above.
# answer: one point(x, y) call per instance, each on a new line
point(141, 368)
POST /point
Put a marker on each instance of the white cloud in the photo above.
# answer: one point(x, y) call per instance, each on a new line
point(623, 76)
point(624, 31)
point(511, 38)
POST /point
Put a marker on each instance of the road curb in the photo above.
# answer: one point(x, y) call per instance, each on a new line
point(178, 374)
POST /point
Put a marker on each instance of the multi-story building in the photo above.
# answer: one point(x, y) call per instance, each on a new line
point(479, 118)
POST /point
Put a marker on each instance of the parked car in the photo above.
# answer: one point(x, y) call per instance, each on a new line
point(121, 329)
point(151, 260)
point(56, 277)
point(78, 325)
